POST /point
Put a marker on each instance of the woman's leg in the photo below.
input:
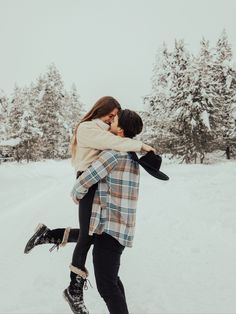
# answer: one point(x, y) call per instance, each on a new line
point(58, 237)
point(78, 275)
point(84, 240)
point(59, 234)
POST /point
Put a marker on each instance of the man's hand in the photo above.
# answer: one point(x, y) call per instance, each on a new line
point(147, 148)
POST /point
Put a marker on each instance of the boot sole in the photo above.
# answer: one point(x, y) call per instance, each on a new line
point(64, 294)
point(67, 300)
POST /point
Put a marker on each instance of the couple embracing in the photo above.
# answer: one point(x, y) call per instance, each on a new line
point(106, 191)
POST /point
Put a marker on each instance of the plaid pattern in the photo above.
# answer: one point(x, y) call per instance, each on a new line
point(115, 201)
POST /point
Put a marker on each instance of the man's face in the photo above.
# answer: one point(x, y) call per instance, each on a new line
point(114, 126)
point(109, 118)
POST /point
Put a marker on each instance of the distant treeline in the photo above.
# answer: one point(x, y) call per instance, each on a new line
point(40, 119)
point(192, 104)
point(190, 110)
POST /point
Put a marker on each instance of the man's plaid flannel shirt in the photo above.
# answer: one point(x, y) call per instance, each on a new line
point(115, 201)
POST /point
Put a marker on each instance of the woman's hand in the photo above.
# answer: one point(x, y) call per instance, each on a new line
point(76, 201)
point(147, 148)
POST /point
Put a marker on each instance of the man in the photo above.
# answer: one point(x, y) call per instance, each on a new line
point(112, 221)
point(113, 214)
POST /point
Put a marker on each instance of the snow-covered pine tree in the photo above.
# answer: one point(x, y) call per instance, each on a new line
point(161, 71)
point(181, 102)
point(15, 119)
point(41, 118)
point(55, 137)
point(177, 119)
point(191, 108)
point(22, 125)
point(75, 109)
point(233, 137)
point(226, 93)
point(16, 112)
point(72, 114)
point(157, 102)
point(29, 148)
point(4, 107)
point(202, 93)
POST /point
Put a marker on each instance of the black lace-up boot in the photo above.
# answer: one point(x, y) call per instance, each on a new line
point(43, 235)
point(74, 293)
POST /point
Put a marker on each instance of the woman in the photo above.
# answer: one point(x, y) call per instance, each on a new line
point(91, 136)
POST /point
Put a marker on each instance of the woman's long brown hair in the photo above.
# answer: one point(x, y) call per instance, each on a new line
point(101, 108)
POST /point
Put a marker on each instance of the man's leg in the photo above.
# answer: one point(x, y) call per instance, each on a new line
point(122, 289)
point(106, 258)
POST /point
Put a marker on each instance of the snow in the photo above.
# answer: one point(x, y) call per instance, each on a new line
point(11, 142)
point(205, 119)
point(234, 111)
point(183, 259)
point(193, 123)
point(178, 111)
point(41, 94)
point(228, 81)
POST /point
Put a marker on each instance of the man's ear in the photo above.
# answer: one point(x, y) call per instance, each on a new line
point(120, 132)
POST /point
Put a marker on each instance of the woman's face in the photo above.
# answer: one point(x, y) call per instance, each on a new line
point(109, 118)
point(114, 126)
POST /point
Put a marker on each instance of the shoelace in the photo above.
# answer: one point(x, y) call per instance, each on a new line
point(86, 285)
point(55, 246)
point(86, 281)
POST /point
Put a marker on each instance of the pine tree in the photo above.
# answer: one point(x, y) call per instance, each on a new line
point(233, 137)
point(226, 93)
point(75, 109)
point(203, 95)
point(16, 112)
point(157, 102)
point(181, 103)
point(23, 125)
point(191, 107)
point(4, 105)
point(41, 118)
point(31, 129)
point(49, 113)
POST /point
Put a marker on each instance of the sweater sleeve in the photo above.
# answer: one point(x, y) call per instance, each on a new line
point(94, 137)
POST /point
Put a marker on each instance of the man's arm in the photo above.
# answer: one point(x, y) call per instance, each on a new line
point(96, 172)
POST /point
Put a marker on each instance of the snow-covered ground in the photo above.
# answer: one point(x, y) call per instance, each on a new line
point(183, 259)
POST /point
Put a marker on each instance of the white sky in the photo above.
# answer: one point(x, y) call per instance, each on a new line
point(105, 47)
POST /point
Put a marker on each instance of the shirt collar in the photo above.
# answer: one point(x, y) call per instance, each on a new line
point(102, 124)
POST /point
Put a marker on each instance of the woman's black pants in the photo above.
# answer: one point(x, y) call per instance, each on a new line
point(84, 241)
point(106, 259)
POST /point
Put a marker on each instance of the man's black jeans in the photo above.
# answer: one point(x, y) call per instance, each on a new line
point(106, 259)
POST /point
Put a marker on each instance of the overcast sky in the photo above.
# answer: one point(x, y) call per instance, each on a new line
point(105, 47)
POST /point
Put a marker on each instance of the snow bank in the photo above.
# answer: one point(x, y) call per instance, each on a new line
point(183, 259)
point(11, 142)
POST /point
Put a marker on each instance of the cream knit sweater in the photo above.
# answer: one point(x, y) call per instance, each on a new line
point(93, 137)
